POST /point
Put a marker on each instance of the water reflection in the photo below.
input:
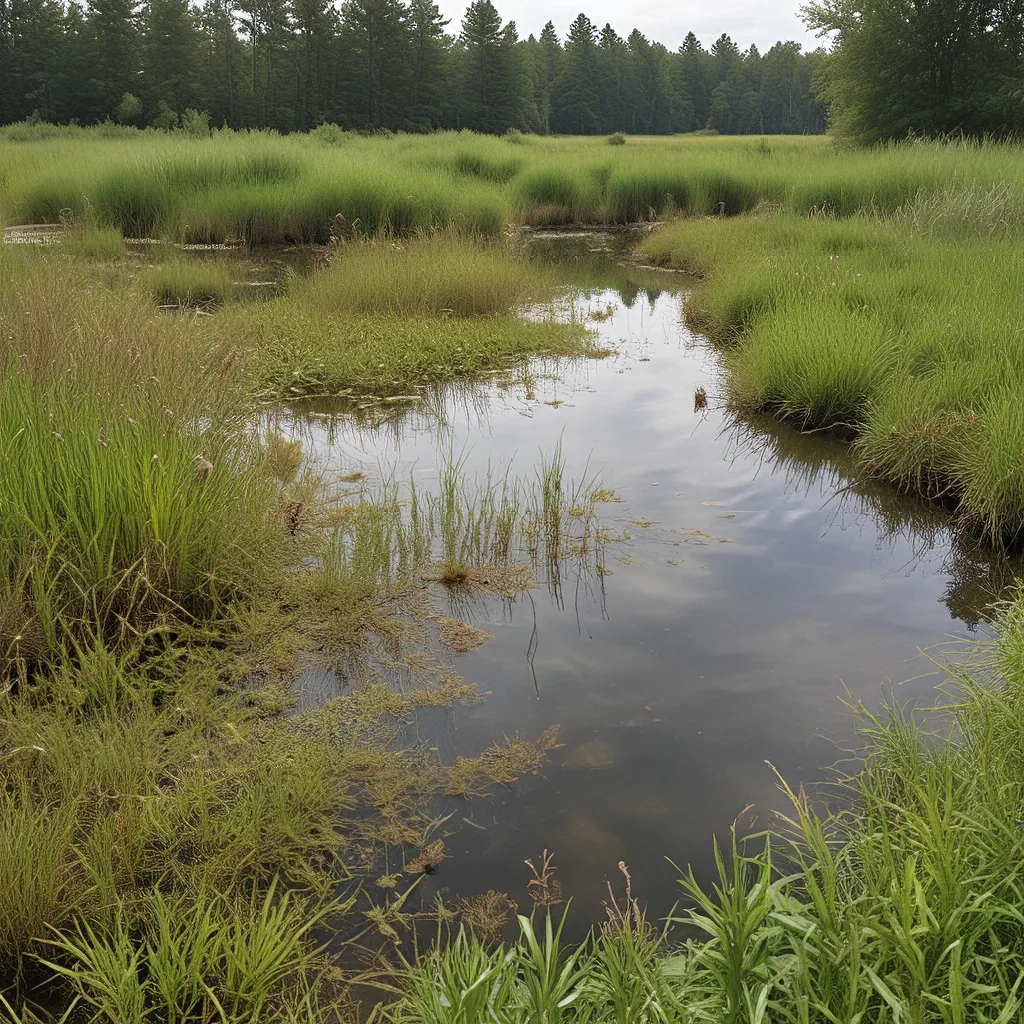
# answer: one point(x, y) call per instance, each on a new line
point(979, 578)
point(755, 579)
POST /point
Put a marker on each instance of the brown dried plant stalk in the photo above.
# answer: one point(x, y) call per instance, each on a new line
point(544, 889)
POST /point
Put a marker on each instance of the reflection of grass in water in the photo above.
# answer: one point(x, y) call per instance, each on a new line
point(471, 529)
point(980, 578)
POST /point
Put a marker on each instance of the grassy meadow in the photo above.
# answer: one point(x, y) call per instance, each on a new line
point(175, 847)
point(270, 189)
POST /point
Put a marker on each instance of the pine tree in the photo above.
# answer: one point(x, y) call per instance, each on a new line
point(31, 52)
point(315, 25)
point(490, 72)
point(222, 62)
point(652, 105)
point(429, 64)
point(287, 64)
point(575, 100)
point(547, 68)
point(380, 47)
point(692, 79)
point(725, 60)
point(113, 38)
point(616, 89)
point(170, 55)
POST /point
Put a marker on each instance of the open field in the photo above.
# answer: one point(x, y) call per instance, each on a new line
point(174, 845)
point(266, 188)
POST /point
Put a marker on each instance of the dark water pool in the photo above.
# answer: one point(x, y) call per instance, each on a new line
point(765, 582)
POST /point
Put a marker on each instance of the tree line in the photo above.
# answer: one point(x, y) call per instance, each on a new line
point(383, 64)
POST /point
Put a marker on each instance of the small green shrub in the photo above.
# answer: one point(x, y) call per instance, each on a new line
point(129, 110)
point(329, 134)
point(165, 119)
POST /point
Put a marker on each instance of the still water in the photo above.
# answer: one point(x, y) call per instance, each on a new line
point(760, 581)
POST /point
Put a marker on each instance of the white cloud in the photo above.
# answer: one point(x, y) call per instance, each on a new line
point(747, 21)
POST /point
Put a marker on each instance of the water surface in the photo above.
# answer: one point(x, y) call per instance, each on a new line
point(761, 586)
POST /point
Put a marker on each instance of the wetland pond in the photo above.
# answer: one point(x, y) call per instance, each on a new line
point(751, 582)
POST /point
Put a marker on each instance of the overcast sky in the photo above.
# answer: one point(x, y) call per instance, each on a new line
point(763, 22)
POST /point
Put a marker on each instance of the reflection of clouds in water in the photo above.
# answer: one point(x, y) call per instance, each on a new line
point(739, 650)
point(978, 577)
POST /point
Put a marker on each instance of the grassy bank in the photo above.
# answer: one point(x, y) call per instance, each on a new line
point(265, 188)
point(905, 906)
point(901, 331)
point(172, 844)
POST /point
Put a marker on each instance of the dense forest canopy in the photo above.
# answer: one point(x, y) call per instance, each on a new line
point(904, 68)
point(373, 64)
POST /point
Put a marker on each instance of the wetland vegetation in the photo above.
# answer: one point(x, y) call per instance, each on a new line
point(179, 835)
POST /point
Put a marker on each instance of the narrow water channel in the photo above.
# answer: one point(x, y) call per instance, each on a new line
point(759, 581)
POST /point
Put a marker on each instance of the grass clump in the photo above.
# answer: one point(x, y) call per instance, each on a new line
point(94, 244)
point(436, 275)
point(298, 352)
point(502, 763)
point(390, 318)
point(110, 525)
point(189, 283)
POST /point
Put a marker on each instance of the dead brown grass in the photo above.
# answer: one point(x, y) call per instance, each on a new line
point(502, 763)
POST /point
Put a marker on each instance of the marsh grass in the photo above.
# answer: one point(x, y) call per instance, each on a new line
point(434, 275)
point(189, 284)
point(494, 532)
point(266, 189)
point(169, 839)
point(294, 352)
point(92, 243)
point(109, 528)
point(166, 835)
point(391, 318)
point(899, 330)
